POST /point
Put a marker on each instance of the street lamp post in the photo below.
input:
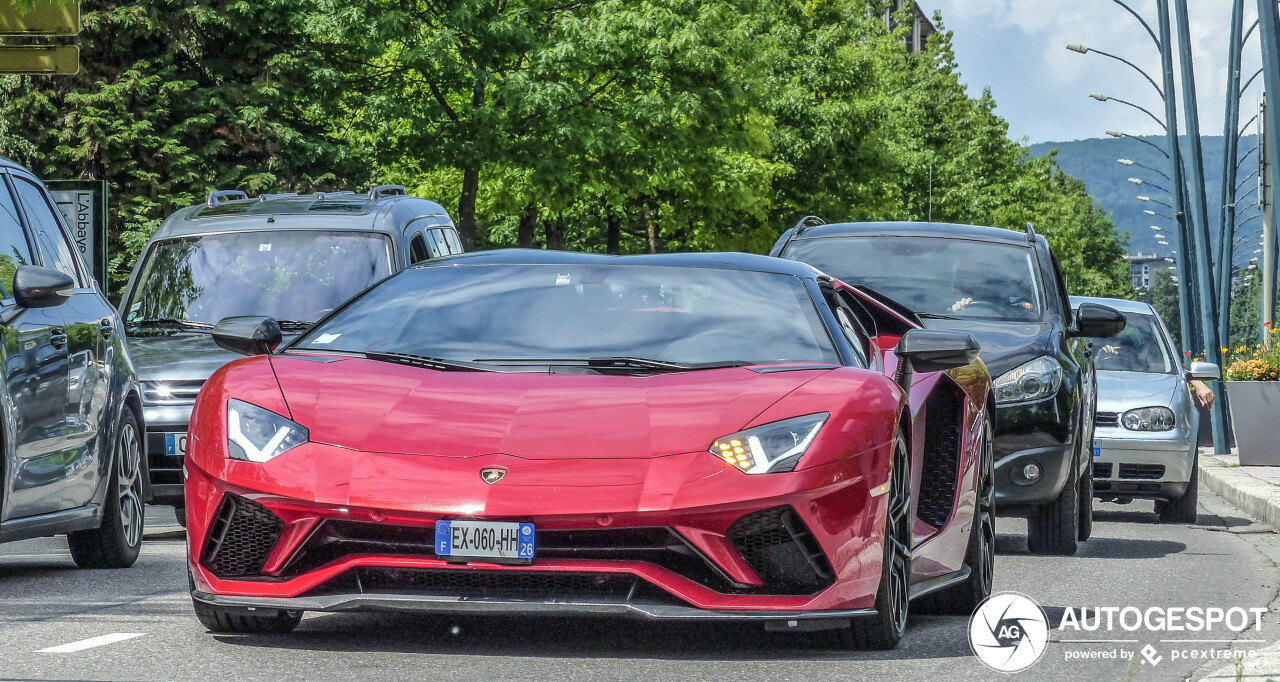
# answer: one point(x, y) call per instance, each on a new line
point(1200, 211)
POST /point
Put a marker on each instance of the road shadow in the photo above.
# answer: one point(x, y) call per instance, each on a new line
point(543, 637)
point(1099, 547)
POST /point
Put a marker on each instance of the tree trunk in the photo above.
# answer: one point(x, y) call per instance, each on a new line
point(651, 230)
point(528, 222)
point(555, 237)
point(467, 207)
point(615, 235)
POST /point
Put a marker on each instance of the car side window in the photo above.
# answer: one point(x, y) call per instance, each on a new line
point(436, 244)
point(451, 237)
point(1064, 299)
point(852, 328)
point(14, 250)
point(418, 249)
point(46, 228)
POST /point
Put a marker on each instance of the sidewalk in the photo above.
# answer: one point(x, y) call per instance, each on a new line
point(1251, 489)
point(1255, 491)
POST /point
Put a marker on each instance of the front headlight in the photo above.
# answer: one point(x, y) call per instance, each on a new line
point(770, 448)
point(1148, 419)
point(1034, 380)
point(257, 435)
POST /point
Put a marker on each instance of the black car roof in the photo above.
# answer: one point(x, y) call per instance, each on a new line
point(10, 163)
point(718, 260)
point(916, 229)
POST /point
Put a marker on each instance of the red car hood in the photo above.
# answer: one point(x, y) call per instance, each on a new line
point(383, 407)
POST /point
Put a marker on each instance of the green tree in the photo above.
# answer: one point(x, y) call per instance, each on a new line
point(175, 99)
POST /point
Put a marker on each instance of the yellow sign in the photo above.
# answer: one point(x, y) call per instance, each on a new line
point(44, 18)
point(40, 60)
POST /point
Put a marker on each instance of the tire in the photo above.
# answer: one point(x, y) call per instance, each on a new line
point(180, 513)
point(116, 543)
point(1054, 529)
point(1085, 529)
point(263, 621)
point(962, 598)
point(1183, 509)
point(884, 630)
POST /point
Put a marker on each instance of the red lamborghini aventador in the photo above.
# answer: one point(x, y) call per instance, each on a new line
point(698, 436)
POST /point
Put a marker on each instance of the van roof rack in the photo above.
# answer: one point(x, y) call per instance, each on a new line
point(222, 195)
point(280, 195)
point(808, 222)
point(386, 190)
point(321, 196)
point(1031, 234)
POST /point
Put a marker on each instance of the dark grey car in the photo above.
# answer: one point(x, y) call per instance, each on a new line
point(72, 459)
point(290, 257)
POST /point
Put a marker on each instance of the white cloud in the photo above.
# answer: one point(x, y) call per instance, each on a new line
point(1017, 47)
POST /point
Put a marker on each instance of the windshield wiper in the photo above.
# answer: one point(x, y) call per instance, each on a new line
point(294, 325)
point(618, 362)
point(935, 316)
point(440, 364)
point(170, 322)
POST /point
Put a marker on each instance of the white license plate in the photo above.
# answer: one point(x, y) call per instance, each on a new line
point(175, 443)
point(484, 539)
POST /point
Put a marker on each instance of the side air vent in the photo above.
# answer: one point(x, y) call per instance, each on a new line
point(778, 546)
point(241, 537)
point(940, 469)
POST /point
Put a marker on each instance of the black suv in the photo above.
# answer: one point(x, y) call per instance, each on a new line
point(72, 459)
point(1006, 289)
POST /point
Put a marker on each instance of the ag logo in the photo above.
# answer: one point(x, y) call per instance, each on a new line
point(492, 475)
point(1008, 632)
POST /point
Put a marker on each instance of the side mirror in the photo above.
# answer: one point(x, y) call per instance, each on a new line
point(37, 287)
point(248, 335)
point(1204, 371)
point(1097, 321)
point(933, 350)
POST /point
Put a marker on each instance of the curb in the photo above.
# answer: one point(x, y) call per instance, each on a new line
point(1258, 499)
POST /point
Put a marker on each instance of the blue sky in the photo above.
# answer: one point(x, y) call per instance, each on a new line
point(1017, 48)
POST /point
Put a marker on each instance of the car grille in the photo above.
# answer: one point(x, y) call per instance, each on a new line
point(1101, 470)
point(171, 392)
point(1121, 487)
point(1147, 472)
point(242, 535)
point(941, 458)
point(776, 545)
point(660, 546)
point(165, 469)
point(1106, 419)
point(481, 584)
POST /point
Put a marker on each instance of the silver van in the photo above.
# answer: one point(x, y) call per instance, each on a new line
point(290, 257)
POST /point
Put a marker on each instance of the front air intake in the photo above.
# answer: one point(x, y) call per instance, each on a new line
point(241, 537)
point(778, 546)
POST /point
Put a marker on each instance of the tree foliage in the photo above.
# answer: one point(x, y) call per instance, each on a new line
point(609, 125)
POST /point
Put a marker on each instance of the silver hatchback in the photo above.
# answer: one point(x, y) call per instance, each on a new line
point(1144, 443)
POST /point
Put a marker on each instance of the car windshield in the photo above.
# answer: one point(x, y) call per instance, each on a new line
point(293, 275)
point(522, 314)
point(934, 276)
point(1139, 348)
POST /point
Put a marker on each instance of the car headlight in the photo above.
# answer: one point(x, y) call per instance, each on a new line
point(770, 448)
point(257, 435)
point(1034, 380)
point(1148, 419)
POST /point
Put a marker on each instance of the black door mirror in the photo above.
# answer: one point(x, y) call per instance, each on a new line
point(248, 335)
point(1098, 321)
point(37, 287)
point(933, 350)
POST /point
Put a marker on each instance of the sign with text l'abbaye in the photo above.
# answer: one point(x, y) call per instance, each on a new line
point(83, 204)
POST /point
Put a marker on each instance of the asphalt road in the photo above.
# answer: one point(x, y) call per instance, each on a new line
point(45, 602)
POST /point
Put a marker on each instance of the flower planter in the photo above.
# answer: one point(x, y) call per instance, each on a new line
point(1255, 412)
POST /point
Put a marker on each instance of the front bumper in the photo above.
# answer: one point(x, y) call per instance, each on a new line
point(327, 500)
point(1130, 464)
point(460, 605)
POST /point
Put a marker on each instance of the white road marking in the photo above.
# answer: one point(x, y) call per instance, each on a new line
point(90, 643)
